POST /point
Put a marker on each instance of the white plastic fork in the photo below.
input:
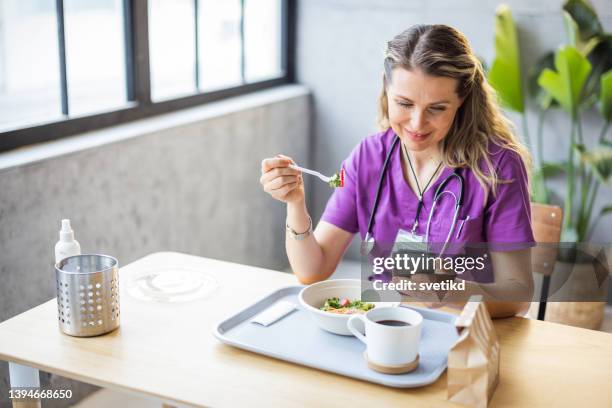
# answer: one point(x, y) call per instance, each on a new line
point(308, 171)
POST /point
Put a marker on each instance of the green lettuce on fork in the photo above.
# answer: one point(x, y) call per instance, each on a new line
point(337, 180)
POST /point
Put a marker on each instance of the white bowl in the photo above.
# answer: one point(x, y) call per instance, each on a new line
point(313, 297)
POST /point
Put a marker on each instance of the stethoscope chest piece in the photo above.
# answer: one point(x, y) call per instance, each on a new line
point(367, 245)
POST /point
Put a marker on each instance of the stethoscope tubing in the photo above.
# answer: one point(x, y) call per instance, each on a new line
point(368, 236)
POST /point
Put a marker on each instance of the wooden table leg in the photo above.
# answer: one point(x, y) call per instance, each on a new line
point(24, 377)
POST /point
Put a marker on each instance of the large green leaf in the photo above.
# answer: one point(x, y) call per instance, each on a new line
point(565, 85)
point(505, 72)
point(585, 32)
point(601, 56)
point(552, 169)
point(606, 210)
point(600, 162)
point(543, 98)
point(583, 13)
point(605, 96)
point(601, 61)
point(575, 37)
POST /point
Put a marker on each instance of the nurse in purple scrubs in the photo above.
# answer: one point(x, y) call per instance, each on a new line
point(438, 115)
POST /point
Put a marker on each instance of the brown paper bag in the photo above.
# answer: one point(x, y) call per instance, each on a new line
point(473, 362)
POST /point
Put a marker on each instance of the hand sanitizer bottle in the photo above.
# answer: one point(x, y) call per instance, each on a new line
point(67, 245)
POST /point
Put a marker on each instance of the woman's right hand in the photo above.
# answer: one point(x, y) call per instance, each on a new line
point(280, 181)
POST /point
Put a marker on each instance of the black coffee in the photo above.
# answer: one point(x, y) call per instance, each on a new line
point(393, 323)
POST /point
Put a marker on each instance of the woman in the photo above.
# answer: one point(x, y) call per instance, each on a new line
point(438, 116)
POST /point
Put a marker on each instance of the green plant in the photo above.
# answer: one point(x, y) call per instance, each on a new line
point(506, 77)
point(565, 86)
point(573, 78)
point(505, 72)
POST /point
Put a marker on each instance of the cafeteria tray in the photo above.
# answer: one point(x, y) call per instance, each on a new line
point(297, 338)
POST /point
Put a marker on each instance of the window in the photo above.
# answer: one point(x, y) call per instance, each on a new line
point(219, 44)
point(29, 84)
point(262, 34)
point(70, 66)
point(172, 46)
point(207, 45)
point(95, 55)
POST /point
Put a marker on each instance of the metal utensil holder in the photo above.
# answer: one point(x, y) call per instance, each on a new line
point(87, 294)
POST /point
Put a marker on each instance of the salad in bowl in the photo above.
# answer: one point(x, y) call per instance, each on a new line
point(331, 303)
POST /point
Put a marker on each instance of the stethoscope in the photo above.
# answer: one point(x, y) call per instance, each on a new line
point(369, 242)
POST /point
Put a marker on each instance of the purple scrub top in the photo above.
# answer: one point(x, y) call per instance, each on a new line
point(501, 219)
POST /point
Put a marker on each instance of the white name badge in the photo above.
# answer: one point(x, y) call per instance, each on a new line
point(409, 244)
point(408, 237)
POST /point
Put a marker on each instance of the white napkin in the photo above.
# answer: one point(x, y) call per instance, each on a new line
point(273, 313)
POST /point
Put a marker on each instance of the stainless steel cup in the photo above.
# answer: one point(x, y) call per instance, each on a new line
point(87, 294)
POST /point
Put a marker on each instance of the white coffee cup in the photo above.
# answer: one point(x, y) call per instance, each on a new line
point(389, 345)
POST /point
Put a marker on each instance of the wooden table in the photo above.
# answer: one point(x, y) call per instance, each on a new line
point(168, 352)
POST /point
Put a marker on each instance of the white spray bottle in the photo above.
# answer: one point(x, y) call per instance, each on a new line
point(67, 245)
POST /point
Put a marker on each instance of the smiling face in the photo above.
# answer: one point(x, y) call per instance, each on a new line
point(421, 108)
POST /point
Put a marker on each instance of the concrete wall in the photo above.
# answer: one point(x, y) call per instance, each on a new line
point(187, 182)
point(340, 45)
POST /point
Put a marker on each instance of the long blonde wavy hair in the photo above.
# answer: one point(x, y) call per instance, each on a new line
point(440, 50)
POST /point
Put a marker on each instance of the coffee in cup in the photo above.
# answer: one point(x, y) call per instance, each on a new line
point(397, 323)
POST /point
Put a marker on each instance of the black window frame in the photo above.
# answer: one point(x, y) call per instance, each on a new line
point(138, 79)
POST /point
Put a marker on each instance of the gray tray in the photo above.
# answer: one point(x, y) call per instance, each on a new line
point(296, 338)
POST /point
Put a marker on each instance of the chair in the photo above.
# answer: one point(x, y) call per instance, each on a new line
point(546, 224)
